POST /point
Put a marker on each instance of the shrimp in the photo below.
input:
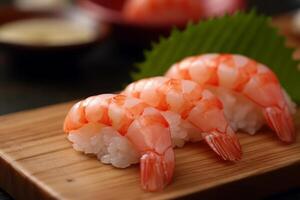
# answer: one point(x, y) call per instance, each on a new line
point(193, 103)
point(162, 12)
point(245, 77)
point(144, 127)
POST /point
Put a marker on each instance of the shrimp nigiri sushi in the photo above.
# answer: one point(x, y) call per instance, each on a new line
point(162, 12)
point(193, 113)
point(251, 93)
point(122, 131)
point(176, 12)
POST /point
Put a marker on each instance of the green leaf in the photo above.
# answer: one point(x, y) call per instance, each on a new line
point(248, 34)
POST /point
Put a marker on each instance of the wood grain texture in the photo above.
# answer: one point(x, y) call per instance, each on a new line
point(37, 162)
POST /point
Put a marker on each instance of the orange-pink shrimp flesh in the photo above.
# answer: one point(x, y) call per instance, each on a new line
point(162, 12)
point(245, 76)
point(196, 105)
point(144, 126)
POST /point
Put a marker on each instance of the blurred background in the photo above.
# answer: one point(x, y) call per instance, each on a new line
point(53, 51)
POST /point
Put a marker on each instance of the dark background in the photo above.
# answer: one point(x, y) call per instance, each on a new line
point(105, 69)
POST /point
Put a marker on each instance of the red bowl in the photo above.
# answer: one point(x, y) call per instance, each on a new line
point(110, 11)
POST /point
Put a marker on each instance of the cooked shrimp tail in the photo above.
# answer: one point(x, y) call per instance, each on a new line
point(281, 122)
point(150, 133)
point(216, 132)
point(156, 170)
point(225, 145)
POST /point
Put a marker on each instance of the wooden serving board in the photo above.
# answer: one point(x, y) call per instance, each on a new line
point(37, 162)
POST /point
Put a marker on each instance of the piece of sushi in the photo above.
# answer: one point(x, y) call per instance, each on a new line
point(193, 113)
point(251, 93)
point(121, 131)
